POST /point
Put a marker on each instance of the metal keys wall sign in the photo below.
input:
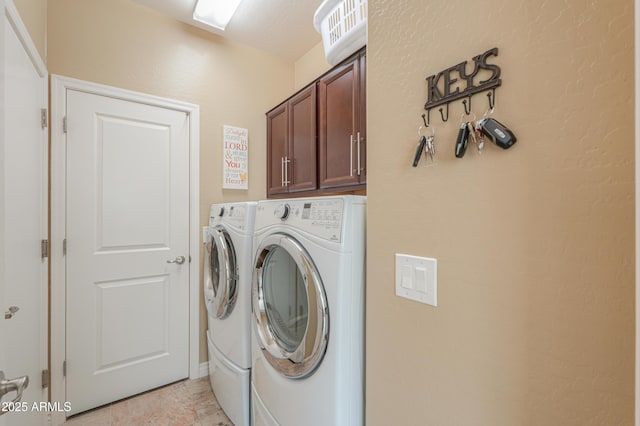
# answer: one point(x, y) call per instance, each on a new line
point(462, 81)
point(440, 86)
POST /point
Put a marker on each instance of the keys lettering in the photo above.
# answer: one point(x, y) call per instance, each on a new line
point(442, 87)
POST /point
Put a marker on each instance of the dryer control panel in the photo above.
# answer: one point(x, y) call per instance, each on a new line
point(322, 217)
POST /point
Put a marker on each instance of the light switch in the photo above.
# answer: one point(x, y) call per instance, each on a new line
point(407, 277)
point(421, 279)
point(417, 278)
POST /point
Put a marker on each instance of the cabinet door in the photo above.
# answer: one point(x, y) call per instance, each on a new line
point(301, 167)
point(338, 121)
point(362, 125)
point(277, 140)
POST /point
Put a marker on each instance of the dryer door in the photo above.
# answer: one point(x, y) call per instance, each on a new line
point(290, 311)
point(220, 278)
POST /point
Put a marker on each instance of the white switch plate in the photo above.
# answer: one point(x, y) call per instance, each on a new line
point(417, 278)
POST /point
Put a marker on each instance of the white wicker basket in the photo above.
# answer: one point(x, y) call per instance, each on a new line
point(343, 26)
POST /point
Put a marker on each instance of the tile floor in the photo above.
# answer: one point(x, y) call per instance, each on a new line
point(186, 403)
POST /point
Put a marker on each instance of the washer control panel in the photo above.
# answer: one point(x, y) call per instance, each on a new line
point(232, 214)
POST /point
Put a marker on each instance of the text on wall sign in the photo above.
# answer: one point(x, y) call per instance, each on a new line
point(455, 83)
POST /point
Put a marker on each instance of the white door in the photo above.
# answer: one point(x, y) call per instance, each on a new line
point(127, 248)
point(23, 222)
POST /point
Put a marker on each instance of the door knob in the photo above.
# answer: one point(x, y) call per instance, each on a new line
point(179, 260)
point(17, 385)
point(11, 312)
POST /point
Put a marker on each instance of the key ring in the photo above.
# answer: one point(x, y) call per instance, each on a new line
point(429, 147)
point(464, 114)
point(433, 132)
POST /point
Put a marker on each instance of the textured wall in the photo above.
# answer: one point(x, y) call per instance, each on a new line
point(535, 245)
point(34, 15)
point(123, 44)
point(310, 66)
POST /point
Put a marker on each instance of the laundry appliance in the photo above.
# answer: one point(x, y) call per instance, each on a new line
point(308, 312)
point(227, 292)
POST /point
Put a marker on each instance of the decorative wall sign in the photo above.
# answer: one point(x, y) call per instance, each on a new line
point(455, 83)
point(439, 86)
point(235, 158)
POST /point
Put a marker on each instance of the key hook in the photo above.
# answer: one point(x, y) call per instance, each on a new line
point(464, 102)
point(426, 120)
point(442, 115)
point(492, 99)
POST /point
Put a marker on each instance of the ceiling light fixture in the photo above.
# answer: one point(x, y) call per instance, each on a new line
point(215, 13)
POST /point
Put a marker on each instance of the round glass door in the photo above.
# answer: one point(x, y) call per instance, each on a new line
point(221, 280)
point(290, 310)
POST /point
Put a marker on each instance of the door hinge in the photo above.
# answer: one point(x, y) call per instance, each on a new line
point(44, 248)
point(44, 118)
point(64, 247)
point(46, 379)
point(64, 368)
point(64, 124)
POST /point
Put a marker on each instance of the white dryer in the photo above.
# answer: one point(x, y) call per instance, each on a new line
point(308, 312)
point(227, 292)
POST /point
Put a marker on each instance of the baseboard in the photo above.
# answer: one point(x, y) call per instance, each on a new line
point(204, 369)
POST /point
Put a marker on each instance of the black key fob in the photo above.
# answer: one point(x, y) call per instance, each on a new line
point(421, 144)
point(462, 141)
point(498, 133)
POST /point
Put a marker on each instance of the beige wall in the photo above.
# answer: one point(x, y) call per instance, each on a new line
point(310, 66)
point(535, 245)
point(122, 44)
point(34, 15)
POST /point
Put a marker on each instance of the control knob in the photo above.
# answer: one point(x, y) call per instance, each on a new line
point(282, 211)
point(220, 212)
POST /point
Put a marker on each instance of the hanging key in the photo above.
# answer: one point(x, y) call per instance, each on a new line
point(479, 136)
point(463, 140)
point(497, 132)
point(421, 145)
point(426, 144)
point(472, 134)
point(430, 148)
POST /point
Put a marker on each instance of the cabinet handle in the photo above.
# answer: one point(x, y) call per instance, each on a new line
point(351, 156)
point(282, 171)
point(358, 152)
point(286, 171)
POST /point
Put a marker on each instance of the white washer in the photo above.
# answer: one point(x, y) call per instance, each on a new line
point(227, 291)
point(308, 312)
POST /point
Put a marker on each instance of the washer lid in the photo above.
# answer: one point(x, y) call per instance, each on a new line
point(290, 310)
point(221, 276)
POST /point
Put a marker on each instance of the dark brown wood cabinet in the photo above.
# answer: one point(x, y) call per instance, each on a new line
point(362, 120)
point(291, 144)
point(316, 140)
point(277, 148)
point(342, 125)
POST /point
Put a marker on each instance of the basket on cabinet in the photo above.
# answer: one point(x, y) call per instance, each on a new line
point(343, 26)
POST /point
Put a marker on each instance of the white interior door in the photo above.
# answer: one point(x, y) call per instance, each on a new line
point(127, 217)
point(23, 221)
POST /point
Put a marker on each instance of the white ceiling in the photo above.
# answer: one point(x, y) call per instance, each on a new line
point(282, 27)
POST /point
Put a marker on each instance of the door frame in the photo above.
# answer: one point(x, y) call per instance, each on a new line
point(59, 87)
point(637, 211)
point(14, 19)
